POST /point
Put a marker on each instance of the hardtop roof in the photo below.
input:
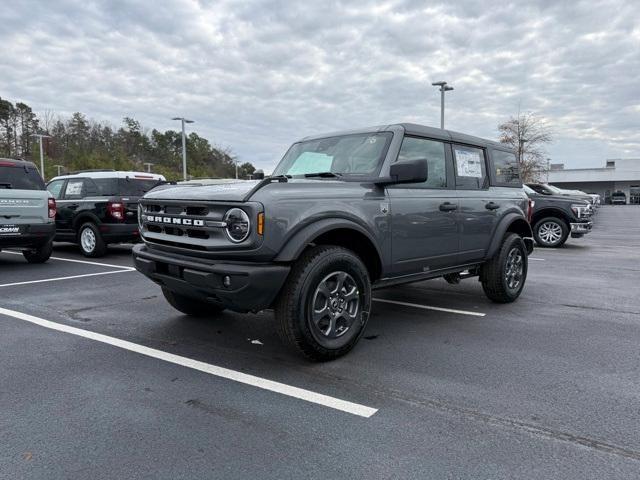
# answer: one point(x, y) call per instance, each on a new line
point(19, 163)
point(111, 174)
point(421, 130)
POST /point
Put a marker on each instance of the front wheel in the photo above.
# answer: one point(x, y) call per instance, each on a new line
point(551, 232)
point(323, 309)
point(504, 275)
point(40, 254)
point(191, 306)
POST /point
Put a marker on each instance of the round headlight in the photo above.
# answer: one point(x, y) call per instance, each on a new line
point(238, 225)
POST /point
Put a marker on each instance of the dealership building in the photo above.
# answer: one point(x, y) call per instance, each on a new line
point(620, 174)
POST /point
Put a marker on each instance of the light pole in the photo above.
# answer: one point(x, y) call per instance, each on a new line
point(443, 88)
point(184, 146)
point(40, 137)
point(59, 167)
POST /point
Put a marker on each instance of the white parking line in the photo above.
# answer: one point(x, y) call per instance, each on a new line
point(538, 259)
point(80, 261)
point(282, 388)
point(429, 307)
point(56, 279)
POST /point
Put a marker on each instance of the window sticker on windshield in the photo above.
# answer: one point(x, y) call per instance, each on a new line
point(468, 164)
point(311, 162)
point(74, 188)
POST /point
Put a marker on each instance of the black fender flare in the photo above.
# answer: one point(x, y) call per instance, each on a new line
point(299, 240)
point(509, 221)
point(84, 217)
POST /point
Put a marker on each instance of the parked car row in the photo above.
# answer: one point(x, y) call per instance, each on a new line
point(91, 208)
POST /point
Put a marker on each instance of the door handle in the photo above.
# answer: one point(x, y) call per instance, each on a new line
point(448, 207)
point(492, 206)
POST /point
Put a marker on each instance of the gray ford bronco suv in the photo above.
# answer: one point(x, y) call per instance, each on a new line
point(342, 214)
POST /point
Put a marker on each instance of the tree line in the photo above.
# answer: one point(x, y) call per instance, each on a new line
point(79, 143)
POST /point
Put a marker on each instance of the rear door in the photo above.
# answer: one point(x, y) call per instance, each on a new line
point(478, 213)
point(423, 215)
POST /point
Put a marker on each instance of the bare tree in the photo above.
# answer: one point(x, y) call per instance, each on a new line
point(527, 134)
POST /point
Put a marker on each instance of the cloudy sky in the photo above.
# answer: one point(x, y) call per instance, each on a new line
point(257, 75)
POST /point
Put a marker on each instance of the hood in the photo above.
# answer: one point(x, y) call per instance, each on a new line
point(230, 192)
point(560, 198)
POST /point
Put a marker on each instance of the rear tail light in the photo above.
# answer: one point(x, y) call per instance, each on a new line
point(116, 210)
point(530, 210)
point(52, 208)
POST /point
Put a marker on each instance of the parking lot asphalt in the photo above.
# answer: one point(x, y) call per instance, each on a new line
point(120, 385)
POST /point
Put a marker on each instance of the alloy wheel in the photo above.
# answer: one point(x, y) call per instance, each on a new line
point(336, 305)
point(514, 268)
point(550, 232)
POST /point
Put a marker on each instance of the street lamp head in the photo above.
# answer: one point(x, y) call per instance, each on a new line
point(439, 84)
point(188, 121)
point(447, 88)
point(176, 118)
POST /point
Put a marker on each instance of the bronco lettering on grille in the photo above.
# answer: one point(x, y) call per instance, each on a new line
point(175, 220)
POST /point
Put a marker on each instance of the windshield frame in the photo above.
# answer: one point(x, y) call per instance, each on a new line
point(388, 136)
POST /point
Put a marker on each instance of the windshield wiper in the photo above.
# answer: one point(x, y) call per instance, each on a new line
point(323, 175)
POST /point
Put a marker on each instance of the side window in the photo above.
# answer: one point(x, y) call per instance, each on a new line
point(90, 188)
point(74, 189)
point(471, 170)
point(55, 188)
point(414, 148)
point(505, 168)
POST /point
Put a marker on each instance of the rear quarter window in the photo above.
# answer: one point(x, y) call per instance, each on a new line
point(20, 178)
point(505, 169)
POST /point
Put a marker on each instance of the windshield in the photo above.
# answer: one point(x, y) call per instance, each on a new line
point(20, 178)
point(528, 190)
point(553, 189)
point(359, 154)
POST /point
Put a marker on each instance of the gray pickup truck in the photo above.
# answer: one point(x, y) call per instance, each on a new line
point(27, 211)
point(342, 214)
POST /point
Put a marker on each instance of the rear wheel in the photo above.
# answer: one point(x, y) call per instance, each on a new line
point(191, 306)
point(90, 241)
point(40, 254)
point(551, 232)
point(503, 276)
point(323, 309)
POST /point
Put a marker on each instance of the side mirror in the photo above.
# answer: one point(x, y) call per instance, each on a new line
point(258, 175)
point(408, 171)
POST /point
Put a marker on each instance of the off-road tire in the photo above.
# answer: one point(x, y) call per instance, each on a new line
point(294, 305)
point(191, 306)
point(493, 274)
point(563, 228)
point(40, 254)
point(99, 248)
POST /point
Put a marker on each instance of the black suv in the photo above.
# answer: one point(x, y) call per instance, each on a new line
point(342, 214)
point(554, 217)
point(96, 208)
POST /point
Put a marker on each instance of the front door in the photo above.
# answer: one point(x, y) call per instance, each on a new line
point(423, 216)
point(68, 204)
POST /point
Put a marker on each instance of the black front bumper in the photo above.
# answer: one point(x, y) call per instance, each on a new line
point(32, 236)
point(252, 286)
